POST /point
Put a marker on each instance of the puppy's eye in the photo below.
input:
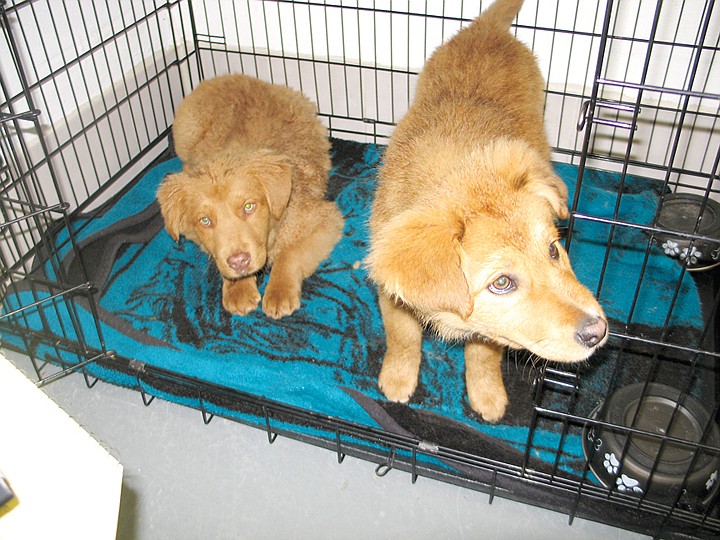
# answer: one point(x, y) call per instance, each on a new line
point(205, 221)
point(554, 251)
point(249, 207)
point(502, 285)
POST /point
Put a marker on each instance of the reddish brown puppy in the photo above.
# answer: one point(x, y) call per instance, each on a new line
point(251, 192)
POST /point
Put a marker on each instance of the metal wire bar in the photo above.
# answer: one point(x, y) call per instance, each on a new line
point(68, 370)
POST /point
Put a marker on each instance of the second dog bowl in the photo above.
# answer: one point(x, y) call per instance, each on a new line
point(680, 213)
point(657, 466)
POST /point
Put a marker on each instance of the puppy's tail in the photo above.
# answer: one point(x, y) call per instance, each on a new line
point(502, 12)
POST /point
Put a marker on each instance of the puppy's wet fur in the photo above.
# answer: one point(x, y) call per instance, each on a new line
point(463, 234)
point(251, 191)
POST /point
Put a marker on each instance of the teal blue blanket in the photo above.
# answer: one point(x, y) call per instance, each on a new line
point(160, 303)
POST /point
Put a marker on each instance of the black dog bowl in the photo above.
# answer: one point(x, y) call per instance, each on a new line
point(680, 213)
point(655, 466)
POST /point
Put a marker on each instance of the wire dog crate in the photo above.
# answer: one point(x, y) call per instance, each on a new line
point(87, 94)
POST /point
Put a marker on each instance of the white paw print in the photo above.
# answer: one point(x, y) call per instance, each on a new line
point(671, 248)
point(627, 484)
point(691, 255)
point(611, 463)
point(711, 481)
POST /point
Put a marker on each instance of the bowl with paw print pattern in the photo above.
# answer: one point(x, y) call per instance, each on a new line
point(690, 229)
point(654, 442)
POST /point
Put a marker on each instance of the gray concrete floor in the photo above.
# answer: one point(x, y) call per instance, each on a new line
point(187, 480)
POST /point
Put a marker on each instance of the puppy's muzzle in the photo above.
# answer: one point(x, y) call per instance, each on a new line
point(239, 261)
point(592, 332)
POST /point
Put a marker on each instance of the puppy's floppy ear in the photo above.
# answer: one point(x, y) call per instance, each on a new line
point(546, 184)
point(553, 189)
point(418, 259)
point(275, 175)
point(173, 198)
point(527, 169)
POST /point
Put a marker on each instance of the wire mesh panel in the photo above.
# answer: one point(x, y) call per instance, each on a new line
point(104, 76)
point(87, 96)
point(359, 60)
point(87, 93)
point(32, 204)
point(650, 430)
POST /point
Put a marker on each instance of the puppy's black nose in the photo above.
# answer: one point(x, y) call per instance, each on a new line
point(592, 332)
point(239, 261)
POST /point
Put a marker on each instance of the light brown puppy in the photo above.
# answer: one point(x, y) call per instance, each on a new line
point(251, 192)
point(462, 229)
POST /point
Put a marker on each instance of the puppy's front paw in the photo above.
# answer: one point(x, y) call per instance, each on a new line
point(279, 302)
point(241, 296)
point(398, 380)
point(490, 405)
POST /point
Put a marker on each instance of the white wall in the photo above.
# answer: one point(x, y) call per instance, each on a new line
point(564, 35)
point(102, 101)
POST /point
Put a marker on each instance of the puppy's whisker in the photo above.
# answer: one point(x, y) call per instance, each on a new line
point(531, 364)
